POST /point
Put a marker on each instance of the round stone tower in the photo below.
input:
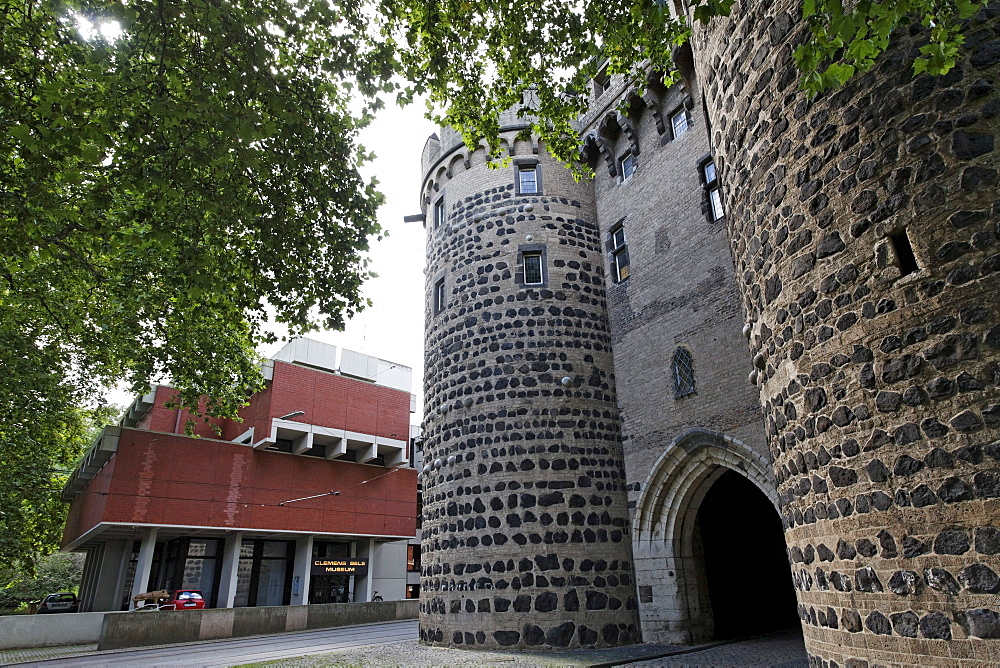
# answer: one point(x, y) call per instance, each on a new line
point(864, 225)
point(525, 532)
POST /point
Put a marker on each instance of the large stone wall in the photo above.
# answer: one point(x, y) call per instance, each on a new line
point(525, 527)
point(680, 292)
point(879, 390)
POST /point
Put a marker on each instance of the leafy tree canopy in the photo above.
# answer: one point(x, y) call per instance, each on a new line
point(55, 573)
point(477, 59)
point(166, 188)
point(164, 191)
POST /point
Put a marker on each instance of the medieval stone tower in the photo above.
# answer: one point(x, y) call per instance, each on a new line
point(525, 526)
point(864, 227)
point(800, 303)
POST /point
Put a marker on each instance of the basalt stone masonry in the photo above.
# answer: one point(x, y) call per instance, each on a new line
point(864, 226)
point(526, 539)
point(562, 506)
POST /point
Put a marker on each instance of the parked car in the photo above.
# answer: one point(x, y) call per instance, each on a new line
point(63, 601)
point(184, 599)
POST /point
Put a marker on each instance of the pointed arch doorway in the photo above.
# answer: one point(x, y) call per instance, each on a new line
point(710, 555)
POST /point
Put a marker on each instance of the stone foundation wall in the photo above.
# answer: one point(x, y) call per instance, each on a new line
point(880, 386)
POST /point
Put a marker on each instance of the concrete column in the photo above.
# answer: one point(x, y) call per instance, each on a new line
point(301, 569)
point(144, 564)
point(364, 586)
point(105, 584)
point(88, 582)
point(230, 569)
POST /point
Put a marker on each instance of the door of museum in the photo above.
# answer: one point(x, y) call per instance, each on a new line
point(746, 565)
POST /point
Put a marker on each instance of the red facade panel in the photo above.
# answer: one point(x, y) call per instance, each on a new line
point(158, 478)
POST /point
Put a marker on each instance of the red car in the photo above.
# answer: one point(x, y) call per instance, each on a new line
point(184, 599)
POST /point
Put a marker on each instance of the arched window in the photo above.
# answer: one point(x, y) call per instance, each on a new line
point(683, 372)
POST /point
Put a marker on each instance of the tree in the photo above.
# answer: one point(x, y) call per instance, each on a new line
point(56, 572)
point(164, 191)
point(477, 59)
point(167, 190)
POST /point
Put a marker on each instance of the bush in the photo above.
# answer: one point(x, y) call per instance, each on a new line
point(56, 572)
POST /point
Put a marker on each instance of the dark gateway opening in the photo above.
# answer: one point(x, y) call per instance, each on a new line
point(746, 564)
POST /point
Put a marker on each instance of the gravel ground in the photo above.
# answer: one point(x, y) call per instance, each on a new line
point(411, 653)
point(783, 649)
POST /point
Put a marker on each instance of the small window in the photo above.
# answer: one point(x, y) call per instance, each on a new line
point(679, 122)
point(628, 166)
point(602, 82)
point(683, 369)
point(438, 213)
point(905, 259)
point(439, 296)
point(532, 268)
point(413, 558)
point(715, 202)
point(527, 179)
point(713, 190)
point(708, 169)
point(619, 254)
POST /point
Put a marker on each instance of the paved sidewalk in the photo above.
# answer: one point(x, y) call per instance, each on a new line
point(9, 656)
point(784, 649)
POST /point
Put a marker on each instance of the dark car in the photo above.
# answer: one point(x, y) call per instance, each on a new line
point(64, 601)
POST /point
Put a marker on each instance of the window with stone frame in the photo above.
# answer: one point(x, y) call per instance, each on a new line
point(628, 165)
point(439, 296)
point(527, 179)
point(619, 253)
point(532, 263)
point(438, 212)
point(679, 122)
point(713, 190)
point(683, 368)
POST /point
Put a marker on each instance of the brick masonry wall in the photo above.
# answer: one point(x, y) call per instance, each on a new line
point(525, 538)
point(879, 391)
point(157, 478)
point(328, 399)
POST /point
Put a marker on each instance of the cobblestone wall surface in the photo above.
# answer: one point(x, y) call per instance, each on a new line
point(525, 527)
point(879, 385)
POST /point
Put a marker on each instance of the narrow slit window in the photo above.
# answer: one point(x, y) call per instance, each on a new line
point(627, 166)
point(683, 368)
point(905, 259)
point(438, 213)
point(679, 122)
point(439, 295)
point(532, 268)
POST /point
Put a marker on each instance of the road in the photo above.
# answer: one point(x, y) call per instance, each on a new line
point(249, 650)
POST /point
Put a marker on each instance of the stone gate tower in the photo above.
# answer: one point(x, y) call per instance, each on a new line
point(525, 526)
point(864, 225)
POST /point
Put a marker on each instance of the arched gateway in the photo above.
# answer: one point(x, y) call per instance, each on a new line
point(709, 553)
